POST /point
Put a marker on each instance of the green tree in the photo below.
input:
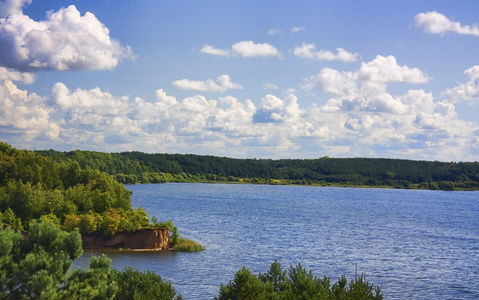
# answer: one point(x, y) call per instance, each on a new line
point(297, 283)
point(111, 222)
point(88, 223)
point(245, 286)
point(276, 276)
point(175, 235)
point(36, 265)
point(95, 283)
point(134, 284)
point(8, 217)
point(71, 222)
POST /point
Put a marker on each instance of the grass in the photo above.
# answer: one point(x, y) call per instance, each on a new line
point(187, 246)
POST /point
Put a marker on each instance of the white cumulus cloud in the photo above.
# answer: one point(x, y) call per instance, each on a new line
point(11, 7)
point(221, 84)
point(437, 23)
point(24, 116)
point(9, 74)
point(468, 91)
point(361, 118)
point(215, 51)
point(66, 40)
point(386, 69)
point(365, 89)
point(251, 49)
point(308, 51)
point(244, 49)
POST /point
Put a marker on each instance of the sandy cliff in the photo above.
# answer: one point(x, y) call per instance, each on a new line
point(147, 239)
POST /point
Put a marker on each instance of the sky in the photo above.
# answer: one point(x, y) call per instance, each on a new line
point(242, 79)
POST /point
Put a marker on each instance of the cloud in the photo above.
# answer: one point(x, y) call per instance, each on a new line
point(66, 40)
point(8, 74)
point(365, 89)
point(221, 84)
point(270, 86)
point(436, 23)
point(273, 109)
point(359, 119)
point(244, 49)
point(214, 51)
point(82, 101)
point(468, 91)
point(297, 29)
point(11, 7)
point(307, 51)
point(24, 116)
point(250, 49)
point(274, 31)
point(377, 72)
point(386, 69)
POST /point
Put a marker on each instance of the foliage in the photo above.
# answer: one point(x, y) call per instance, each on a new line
point(36, 265)
point(296, 283)
point(95, 283)
point(137, 167)
point(174, 236)
point(134, 284)
point(185, 245)
point(8, 217)
point(34, 187)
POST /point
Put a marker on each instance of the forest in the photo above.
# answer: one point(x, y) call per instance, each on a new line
point(34, 187)
point(47, 202)
point(138, 167)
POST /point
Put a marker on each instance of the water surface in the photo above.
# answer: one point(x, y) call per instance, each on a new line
point(414, 244)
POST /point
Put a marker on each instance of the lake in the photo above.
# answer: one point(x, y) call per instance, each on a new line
point(414, 244)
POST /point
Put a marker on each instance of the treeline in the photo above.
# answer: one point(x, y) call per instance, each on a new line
point(138, 167)
point(34, 187)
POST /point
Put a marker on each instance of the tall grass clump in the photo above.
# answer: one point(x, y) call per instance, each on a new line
point(185, 245)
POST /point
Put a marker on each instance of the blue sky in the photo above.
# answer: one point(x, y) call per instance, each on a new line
point(263, 79)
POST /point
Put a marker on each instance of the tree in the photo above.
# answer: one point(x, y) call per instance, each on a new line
point(8, 217)
point(175, 235)
point(276, 276)
point(245, 286)
point(35, 265)
point(297, 283)
point(134, 284)
point(95, 283)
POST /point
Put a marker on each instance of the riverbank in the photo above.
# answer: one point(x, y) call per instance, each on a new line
point(184, 245)
point(146, 239)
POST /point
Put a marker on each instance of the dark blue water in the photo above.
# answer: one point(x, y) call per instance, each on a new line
point(414, 244)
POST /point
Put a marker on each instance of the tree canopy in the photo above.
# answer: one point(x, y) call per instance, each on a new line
point(37, 265)
point(296, 283)
point(138, 167)
point(34, 187)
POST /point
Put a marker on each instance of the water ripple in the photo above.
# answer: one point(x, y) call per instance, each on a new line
point(414, 244)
